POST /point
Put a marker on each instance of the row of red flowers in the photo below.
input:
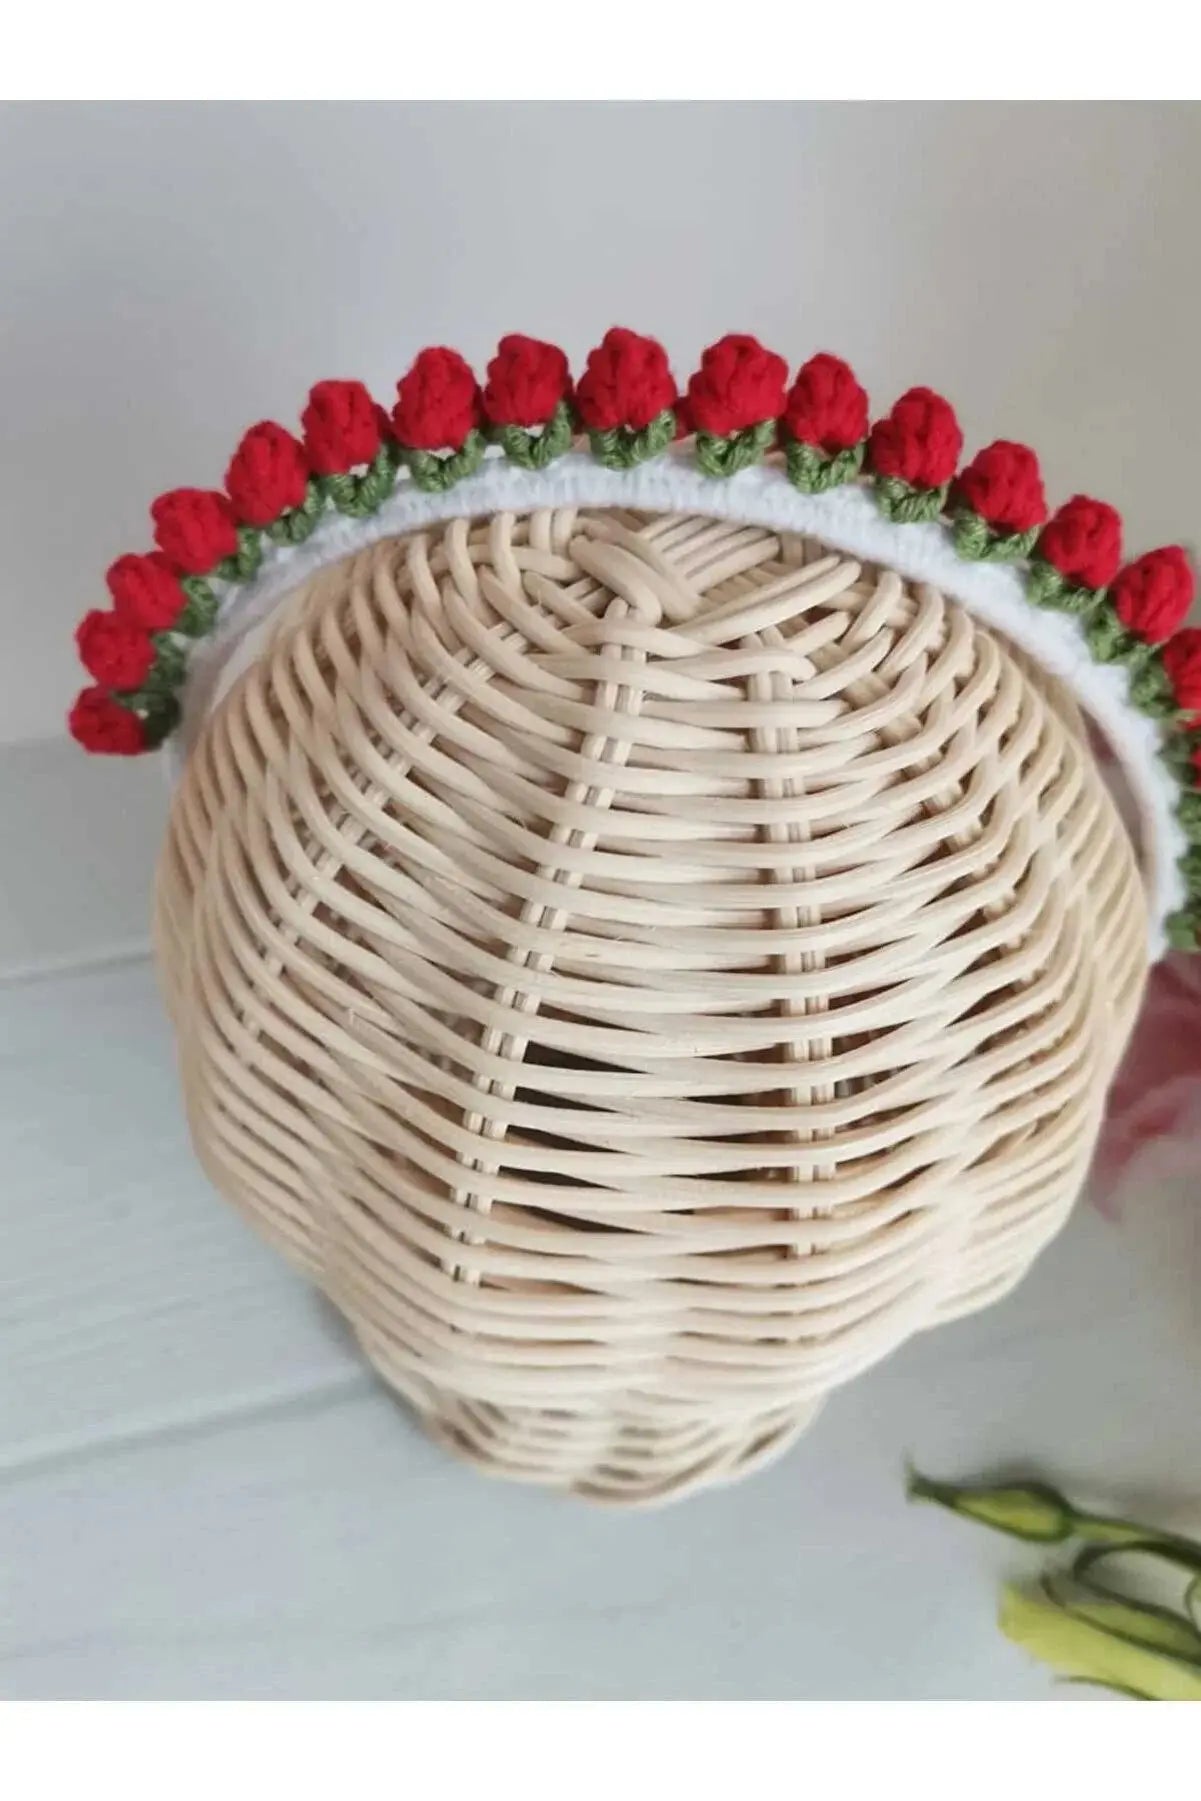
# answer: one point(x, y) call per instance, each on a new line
point(627, 387)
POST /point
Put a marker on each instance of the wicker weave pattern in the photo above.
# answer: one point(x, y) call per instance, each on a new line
point(643, 969)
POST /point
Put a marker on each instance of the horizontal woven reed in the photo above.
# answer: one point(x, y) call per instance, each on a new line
point(643, 969)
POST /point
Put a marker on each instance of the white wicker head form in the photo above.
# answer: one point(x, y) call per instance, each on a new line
point(740, 445)
point(643, 967)
point(845, 518)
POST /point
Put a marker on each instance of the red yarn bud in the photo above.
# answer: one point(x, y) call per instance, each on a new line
point(99, 724)
point(114, 651)
point(268, 474)
point(438, 402)
point(146, 591)
point(1152, 595)
point(194, 528)
point(1182, 664)
point(826, 407)
point(341, 427)
point(1083, 541)
point(527, 380)
point(919, 442)
point(1003, 484)
point(627, 382)
point(738, 385)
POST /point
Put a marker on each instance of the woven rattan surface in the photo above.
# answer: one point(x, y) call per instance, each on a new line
point(643, 969)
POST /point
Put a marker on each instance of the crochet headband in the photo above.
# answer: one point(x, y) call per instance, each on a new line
point(741, 443)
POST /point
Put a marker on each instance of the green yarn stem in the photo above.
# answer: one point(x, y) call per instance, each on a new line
point(296, 525)
point(814, 471)
point(907, 505)
point(1190, 868)
point(200, 614)
point(1188, 812)
point(244, 564)
point(1108, 638)
point(723, 457)
point(170, 666)
point(158, 711)
point(1184, 929)
point(1150, 689)
point(1177, 752)
point(981, 542)
point(535, 449)
point(435, 474)
point(624, 448)
point(160, 719)
point(359, 496)
point(1046, 587)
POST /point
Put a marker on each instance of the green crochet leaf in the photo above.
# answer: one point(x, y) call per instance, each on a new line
point(436, 474)
point(537, 449)
point(624, 448)
point(726, 456)
point(907, 505)
point(295, 526)
point(815, 471)
point(980, 542)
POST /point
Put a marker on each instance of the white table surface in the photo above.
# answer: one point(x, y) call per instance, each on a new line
point(204, 1492)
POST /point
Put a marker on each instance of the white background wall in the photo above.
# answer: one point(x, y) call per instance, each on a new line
point(170, 273)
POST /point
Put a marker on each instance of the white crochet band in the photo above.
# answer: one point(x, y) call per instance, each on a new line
point(846, 519)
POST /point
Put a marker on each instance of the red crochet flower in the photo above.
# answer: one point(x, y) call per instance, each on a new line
point(114, 651)
point(527, 380)
point(628, 382)
point(1083, 541)
point(99, 724)
point(1152, 595)
point(1003, 485)
point(826, 407)
point(146, 591)
point(738, 385)
point(1182, 664)
point(919, 442)
point(438, 402)
point(268, 474)
point(196, 529)
point(341, 427)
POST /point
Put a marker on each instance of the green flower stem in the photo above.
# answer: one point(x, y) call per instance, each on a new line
point(1033, 1511)
point(1150, 688)
point(295, 526)
point(1046, 587)
point(1137, 1622)
point(981, 542)
point(1083, 1650)
point(1184, 928)
point(359, 496)
point(907, 505)
point(624, 448)
point(1082, 1625)
point(158, 711)
point(435, 474)
point(723, 457)
point(815, 471)
point(170, 665)
point(200, 614)
point(245, 562)
point(536, 449)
